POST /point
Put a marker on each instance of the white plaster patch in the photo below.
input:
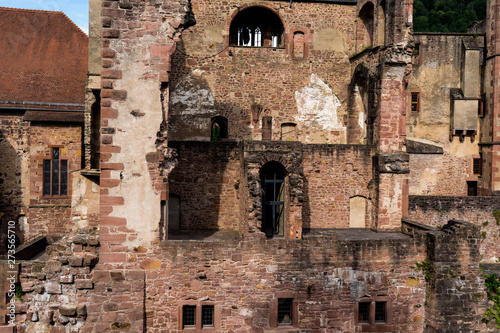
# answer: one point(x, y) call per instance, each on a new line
point(192, 95)
point(317, 105)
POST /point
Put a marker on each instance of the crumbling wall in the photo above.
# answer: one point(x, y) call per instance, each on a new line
point(434, 210)
point(455, 299)
point(308, 88)
point(56, 288)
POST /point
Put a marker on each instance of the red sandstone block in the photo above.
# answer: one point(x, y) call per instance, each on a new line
point(110, 33)
point(119, 95)
point(110, 182)
point(109, 113)
point(112, 166)
point(113, 238)
point(112, 258)
point(105, 210)
point(112, 200)
point(111, 74)
point(161, 50)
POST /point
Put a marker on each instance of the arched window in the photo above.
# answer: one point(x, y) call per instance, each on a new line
point(218, 129)
point(257, 27)
point(174, 212)
point(365, 26)
point(272, 177)
point(298, 45)
point(381, 24)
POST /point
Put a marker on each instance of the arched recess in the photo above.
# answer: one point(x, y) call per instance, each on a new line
point(272, 177)
point(365, 26)
point(218, 128)
point(256, 26)
point(360, 109)
point(298, 44)
point(381, 24)
point(357, 212)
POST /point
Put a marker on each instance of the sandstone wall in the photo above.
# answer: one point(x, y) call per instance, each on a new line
point(434, 210)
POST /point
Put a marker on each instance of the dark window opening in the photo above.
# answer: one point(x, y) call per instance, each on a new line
point(55, 175)
point(207, 316)
point(218, 129)
point(285, 311)
point(364, 312)
point(273, 201)
point(476, 166)
point(189, 316)
point(267, 128)
point(415, 102)
point(480, 106)
point(472, 189)
point(257, 27)
point(380, 312)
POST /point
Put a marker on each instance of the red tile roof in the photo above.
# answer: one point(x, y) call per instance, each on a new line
point(43, 58)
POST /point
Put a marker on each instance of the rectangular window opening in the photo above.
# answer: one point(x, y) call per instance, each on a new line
point(364, 312)
point(55, 175)
point(285, 311)
point(380, 312)
point(189, 316)
point(207, 316)
point(415, 102)
point(476, 166)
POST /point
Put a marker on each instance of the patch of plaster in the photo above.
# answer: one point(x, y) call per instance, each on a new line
point(317, 105)
point(192, 95)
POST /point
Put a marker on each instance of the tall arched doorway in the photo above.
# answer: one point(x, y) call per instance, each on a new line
point(272, 177)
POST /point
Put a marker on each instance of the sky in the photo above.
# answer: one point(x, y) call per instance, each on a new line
point(76, 10)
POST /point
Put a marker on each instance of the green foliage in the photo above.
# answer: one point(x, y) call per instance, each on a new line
point(216, 133)
point(492, 284)
point(496, 215)
point(447, 15)
point(19, 292)
point(427, 268)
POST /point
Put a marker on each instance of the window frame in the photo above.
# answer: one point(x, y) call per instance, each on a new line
point(418, 103)
point(60, 173)
point(198, 326)
point(477, 162)
point(373, 324)
point(273, 317)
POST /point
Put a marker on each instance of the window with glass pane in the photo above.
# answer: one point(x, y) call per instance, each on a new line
point(188, 316)
point(380, 311)
point(207, 316)
point(55, 175)
point(363, 312)
point(285, 311)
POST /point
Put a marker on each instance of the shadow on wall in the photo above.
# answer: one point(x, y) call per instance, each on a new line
point(10, 188)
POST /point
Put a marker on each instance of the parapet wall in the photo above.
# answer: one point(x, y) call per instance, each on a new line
point(435, 210)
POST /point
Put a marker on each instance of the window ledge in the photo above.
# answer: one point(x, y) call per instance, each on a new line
point(257, 47)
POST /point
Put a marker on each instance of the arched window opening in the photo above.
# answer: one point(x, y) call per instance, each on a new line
point(272, 177)
point(361, 108)
point(365, 26)
point(288, 132)
point(218, 129)
point(257, 27)
point(298, 45)
point(357, 210)
point(381, 25)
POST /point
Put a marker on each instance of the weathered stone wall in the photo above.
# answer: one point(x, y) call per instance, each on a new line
point(439, 67)
point(325, 275)
point(14, 167)
point(206, 179)
point(210, 78)
point(57, 287)
point(333, 174)
point(434, 210)
point(51, 216)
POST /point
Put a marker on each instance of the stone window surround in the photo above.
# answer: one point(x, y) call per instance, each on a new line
point(44, 158)
point(373, 326)
point(419, 106)
point(198, 327)
point(273, 316)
